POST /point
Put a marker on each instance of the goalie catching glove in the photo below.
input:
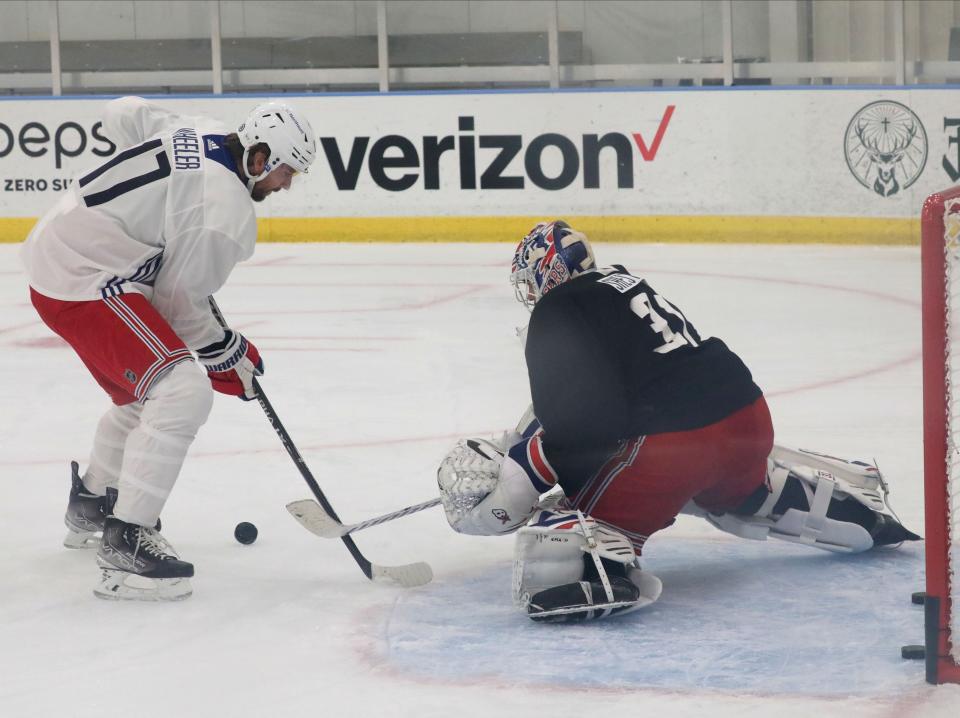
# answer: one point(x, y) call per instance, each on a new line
point(487, 491)
point(231, 364)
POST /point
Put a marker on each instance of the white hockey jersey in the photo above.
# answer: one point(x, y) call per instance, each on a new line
point(167, 217)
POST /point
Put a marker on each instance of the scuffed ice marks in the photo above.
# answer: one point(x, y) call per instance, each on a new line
point(735, 616)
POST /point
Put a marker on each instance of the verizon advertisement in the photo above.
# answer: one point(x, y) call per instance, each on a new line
point(831, 152)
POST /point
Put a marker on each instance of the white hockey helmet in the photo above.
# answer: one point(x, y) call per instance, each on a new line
point(285, 131)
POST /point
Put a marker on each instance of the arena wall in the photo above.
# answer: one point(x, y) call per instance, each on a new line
point(835, 165)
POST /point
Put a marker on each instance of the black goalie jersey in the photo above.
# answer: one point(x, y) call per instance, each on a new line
point(610, 359)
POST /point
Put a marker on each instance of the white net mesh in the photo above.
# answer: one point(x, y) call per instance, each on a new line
point(951, 223)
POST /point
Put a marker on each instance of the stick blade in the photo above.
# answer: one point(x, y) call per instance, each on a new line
point(314, 519)
point(409, 575)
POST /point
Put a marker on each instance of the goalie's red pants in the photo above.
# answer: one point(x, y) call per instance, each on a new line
point(642, 488)
point(123, 341)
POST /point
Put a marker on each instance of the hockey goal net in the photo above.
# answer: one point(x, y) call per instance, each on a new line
point(940, 258)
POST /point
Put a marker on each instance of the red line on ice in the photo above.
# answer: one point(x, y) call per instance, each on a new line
point(355, 310)
point(304, 448)
point(475, 288)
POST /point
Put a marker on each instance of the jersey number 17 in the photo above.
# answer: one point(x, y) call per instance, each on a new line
point(119, 170)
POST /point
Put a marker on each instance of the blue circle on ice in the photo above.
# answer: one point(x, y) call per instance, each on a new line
point(741, 616)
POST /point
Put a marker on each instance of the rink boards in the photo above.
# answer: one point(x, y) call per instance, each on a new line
point(809, 164)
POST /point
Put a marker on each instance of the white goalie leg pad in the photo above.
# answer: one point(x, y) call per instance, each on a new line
point(549, 553)
point(858, 474)
point(860, 481)
point(811, 528)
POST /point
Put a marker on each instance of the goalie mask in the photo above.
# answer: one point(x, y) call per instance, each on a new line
point(551, 254)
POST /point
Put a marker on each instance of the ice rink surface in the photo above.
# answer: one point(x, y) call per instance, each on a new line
point(378, 358)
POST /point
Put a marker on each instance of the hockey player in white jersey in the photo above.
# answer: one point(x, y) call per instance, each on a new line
point(121, 268)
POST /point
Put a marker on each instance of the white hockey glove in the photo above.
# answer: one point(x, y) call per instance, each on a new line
point(484, 491)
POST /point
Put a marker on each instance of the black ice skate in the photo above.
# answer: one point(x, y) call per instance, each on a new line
point(85, 513)
point(137, 563)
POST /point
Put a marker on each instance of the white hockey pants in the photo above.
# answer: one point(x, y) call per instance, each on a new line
point(140, 448)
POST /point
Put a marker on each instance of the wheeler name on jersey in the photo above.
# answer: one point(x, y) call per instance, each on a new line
point(186, 149)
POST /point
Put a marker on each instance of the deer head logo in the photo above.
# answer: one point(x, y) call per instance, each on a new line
point(886, 147)
point(886, 161)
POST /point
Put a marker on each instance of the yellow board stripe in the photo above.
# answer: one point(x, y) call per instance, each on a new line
point(618, 228)
point(15, 229)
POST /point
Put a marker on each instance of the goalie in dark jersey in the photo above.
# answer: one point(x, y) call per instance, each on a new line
point(636, 417)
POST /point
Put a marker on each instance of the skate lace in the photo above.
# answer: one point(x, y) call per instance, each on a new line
point(151, 542)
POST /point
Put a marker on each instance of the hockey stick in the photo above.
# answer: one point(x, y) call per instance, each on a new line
point(317, 521)
point(407, 575)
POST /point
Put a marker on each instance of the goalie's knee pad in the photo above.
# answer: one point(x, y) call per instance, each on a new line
point(819, 501)
point(569, 567)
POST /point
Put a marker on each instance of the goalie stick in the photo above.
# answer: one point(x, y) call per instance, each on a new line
point(407, 575)
point(317, 521)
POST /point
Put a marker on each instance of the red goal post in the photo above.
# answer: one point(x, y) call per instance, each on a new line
point(940, 260)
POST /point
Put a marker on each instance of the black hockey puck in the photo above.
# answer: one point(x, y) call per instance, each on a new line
point(245, 532)
point(918, 597)
point(913, 652)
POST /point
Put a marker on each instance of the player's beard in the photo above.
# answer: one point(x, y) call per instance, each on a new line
point(257, 194)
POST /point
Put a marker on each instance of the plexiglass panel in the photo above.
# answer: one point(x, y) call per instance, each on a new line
point(323, 42)
point(25, 47)
point(131, 46)
point(468, 44)
point(622, 37)
point(276, 46)
point(932, 37)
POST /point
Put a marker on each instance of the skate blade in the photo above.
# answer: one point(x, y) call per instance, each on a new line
point(118, 585)
point(81, 539)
